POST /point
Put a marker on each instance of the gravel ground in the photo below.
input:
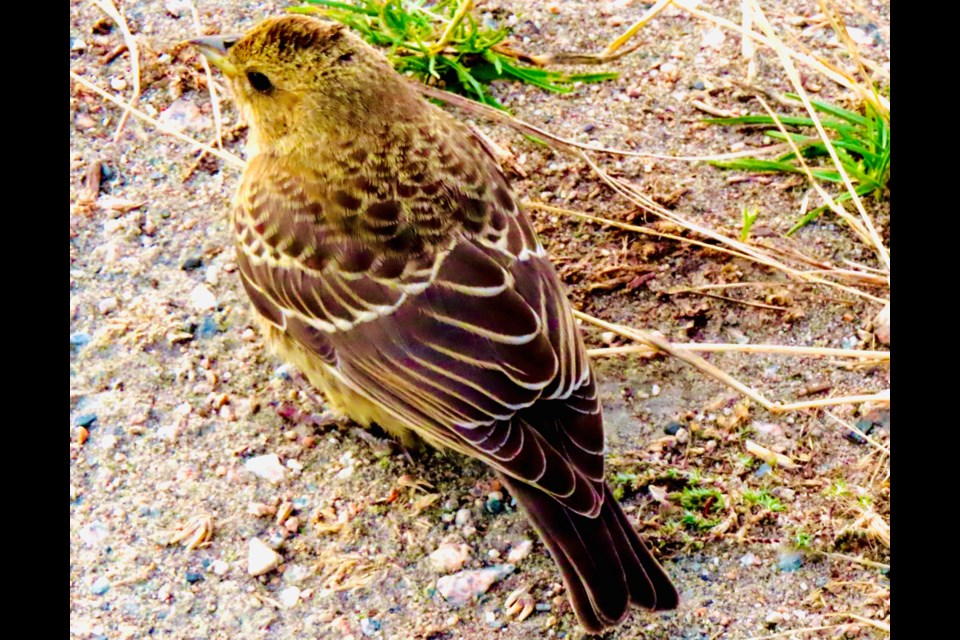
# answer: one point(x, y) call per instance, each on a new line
point(181, 425)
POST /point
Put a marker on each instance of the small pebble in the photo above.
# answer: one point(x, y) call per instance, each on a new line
point(184, 115)
point(763, 470)
point(219, 567)
point(463, 517)
point(100, 586)
point(79, 340)
point(276, 538)
point(773, 619)
point(192, 262)
point(193, 576)
point(672, 428)
point(449, 557)
point(202, 299)
point(494, 503)
point(107, 305)
point(267, 467)
point(177, 8)
point(261, 559)
point(491, 619)
point(748, 559)
point(289, 597)
point(369, 626)
point(462, 587)
point(207, 328)
point(118, 84)
point(519, 552)
point(790, 561)
point(85, 420)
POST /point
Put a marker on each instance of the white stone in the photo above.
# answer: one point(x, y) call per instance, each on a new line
point(449, 557)
point(289, 597)
point(202, 299)
point(261, 559)
point(463, 517)
point(184, 115)
point(519, 551)
point(464, 586)
point(107, 305)
point(267, 467)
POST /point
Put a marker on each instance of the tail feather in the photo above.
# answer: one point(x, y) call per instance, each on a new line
point(605, 565)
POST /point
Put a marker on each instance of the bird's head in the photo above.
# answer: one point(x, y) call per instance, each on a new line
point(296, 77)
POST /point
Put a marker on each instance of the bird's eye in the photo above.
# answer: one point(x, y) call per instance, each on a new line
point(259, 82)
point(347, 57)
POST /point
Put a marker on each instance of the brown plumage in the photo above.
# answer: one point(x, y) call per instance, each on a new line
point(387, 258)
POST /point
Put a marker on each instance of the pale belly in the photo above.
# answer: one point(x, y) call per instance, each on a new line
point(341, 399)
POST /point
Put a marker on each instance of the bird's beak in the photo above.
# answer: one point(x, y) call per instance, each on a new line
point(214, 49)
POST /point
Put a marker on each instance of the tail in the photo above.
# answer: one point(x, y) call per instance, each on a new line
point(604, 564)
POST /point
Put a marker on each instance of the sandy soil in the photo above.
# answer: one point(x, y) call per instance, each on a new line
point(172, 393)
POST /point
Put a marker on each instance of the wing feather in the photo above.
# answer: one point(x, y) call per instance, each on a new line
point(467, 339)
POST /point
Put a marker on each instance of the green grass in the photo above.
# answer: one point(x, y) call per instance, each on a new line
point(764, 500)
point(463, 58)
point(802, 540)
point(862, 143)
point(699, 504)
point(622, 482)
point(748, 217)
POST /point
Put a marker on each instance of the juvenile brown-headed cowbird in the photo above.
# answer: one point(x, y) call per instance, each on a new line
point(387, 258)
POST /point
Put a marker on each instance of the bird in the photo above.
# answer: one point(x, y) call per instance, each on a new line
point(386, 256)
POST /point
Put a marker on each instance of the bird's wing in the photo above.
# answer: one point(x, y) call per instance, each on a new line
point(472, 343)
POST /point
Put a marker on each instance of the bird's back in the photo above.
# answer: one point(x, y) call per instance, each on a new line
point(392, 264)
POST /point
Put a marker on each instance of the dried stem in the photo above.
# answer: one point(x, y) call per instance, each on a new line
point(110, 9)
point(681, 354)
point(214, 100)
point(720, 347)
